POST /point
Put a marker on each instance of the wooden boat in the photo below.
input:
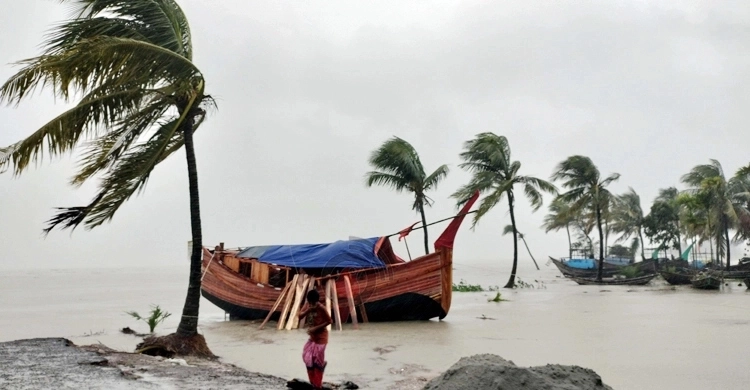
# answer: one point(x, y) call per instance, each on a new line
point(637, 281)
point(608, 271)
point(370, 281)
point(679, 276)
point(706, 281)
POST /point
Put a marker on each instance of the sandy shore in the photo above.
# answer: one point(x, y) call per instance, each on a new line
point(57, 363)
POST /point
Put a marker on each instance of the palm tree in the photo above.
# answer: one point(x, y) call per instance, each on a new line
point(560, 216)
point(508, 229)
point(141, 100)
point(398, 166)
point(586, 188)
point(628, 218)
point(669, 196)
point(487, 157)
point(729, 202)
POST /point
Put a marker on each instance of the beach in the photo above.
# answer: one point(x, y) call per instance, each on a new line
point(651, 337)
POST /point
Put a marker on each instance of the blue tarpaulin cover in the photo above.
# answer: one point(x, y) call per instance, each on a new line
point(358, 253)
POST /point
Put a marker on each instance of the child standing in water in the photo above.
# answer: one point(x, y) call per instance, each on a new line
point(313, 354)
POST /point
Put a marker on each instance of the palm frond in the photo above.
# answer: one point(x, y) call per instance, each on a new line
point(431, 182)
point(398, 183)
point(508, 229)
point(486, 204)
point(127, 176)
point(398, 158)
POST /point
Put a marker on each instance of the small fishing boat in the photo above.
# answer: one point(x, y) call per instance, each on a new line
point(571, 268)
point(636, 281)
point(678, 276)
point(365, 275)
point(706, 281)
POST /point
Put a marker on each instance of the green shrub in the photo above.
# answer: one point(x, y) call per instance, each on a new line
point(156, 317)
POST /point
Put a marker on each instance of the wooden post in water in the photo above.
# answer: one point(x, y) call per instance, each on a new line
point(350, 298)
point(336, 311)
point(275, 305)
point(328, 301)
point(287, 302)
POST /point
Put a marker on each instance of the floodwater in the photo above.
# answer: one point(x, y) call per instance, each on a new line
point(651, 337)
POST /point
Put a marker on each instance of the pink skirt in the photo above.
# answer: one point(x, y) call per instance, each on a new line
point(314, 355)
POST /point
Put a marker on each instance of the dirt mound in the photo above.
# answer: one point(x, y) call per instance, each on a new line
point(491, 372)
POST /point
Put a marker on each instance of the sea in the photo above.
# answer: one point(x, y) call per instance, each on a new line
point(649, 337)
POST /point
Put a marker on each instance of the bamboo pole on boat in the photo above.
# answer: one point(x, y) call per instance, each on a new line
point(288, 302)
point(329, 282)
point(350, 298)
point(275, 305)
point(293, 321)
point(336, 311)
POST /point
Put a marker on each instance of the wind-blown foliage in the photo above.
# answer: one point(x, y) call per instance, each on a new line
point(628, 220)
point(397, 165)
point(560, 216)
point(140, 98)
point(487, 157)
point(586, 189)
point(727, 199)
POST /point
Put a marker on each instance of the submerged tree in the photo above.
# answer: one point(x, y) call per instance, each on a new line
point(628, 218)
point(586, 189)
point(398, 166)
point(140, 99)
point(487, 157)
point(728, 200)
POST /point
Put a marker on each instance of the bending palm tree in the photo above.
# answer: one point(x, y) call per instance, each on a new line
point(729, 202)
point(142, 99)
point(586, 189)
point(628, 218)
point(398, 166)
point(560, 216)
point(488, 158)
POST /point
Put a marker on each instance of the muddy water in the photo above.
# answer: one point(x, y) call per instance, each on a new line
point(651, 337)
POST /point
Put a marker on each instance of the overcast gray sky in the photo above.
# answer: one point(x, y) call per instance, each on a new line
point(307, 89)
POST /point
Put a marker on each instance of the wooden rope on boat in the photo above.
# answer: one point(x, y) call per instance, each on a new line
point(350, 299)
point(275, 306)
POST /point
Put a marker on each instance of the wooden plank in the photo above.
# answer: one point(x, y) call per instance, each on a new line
point(288, 302)
point(275, 305)
point(363, 312)
point(298, 299)
point(310, 286)
point(336, 311)
point(350, 298)
point(329, 284)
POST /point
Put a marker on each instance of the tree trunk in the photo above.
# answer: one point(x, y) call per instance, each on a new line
point(726, 236)
point(424, 225)
point(643, 250)
point(570, 243)
point(606, 236)
point(512, 280)
point(601, 243)
point(189, 321)
point(679, 239)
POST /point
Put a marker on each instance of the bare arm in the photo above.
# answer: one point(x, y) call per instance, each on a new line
point(305, 310)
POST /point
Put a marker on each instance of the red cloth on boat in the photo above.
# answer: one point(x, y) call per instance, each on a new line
point(314, 355)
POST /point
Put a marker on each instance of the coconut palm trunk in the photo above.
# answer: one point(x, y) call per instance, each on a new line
point(512, 280)
point(726, 237)
point(189, 322)
point(424, 227)
point(570, 243)
point(601, 243)
point(643, 250)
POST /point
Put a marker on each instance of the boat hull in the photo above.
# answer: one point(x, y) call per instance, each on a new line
point(417, 290)
point(708, 282)
point(637, 281)
point(681, 277)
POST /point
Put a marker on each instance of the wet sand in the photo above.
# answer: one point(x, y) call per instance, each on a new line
point(652, 337)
